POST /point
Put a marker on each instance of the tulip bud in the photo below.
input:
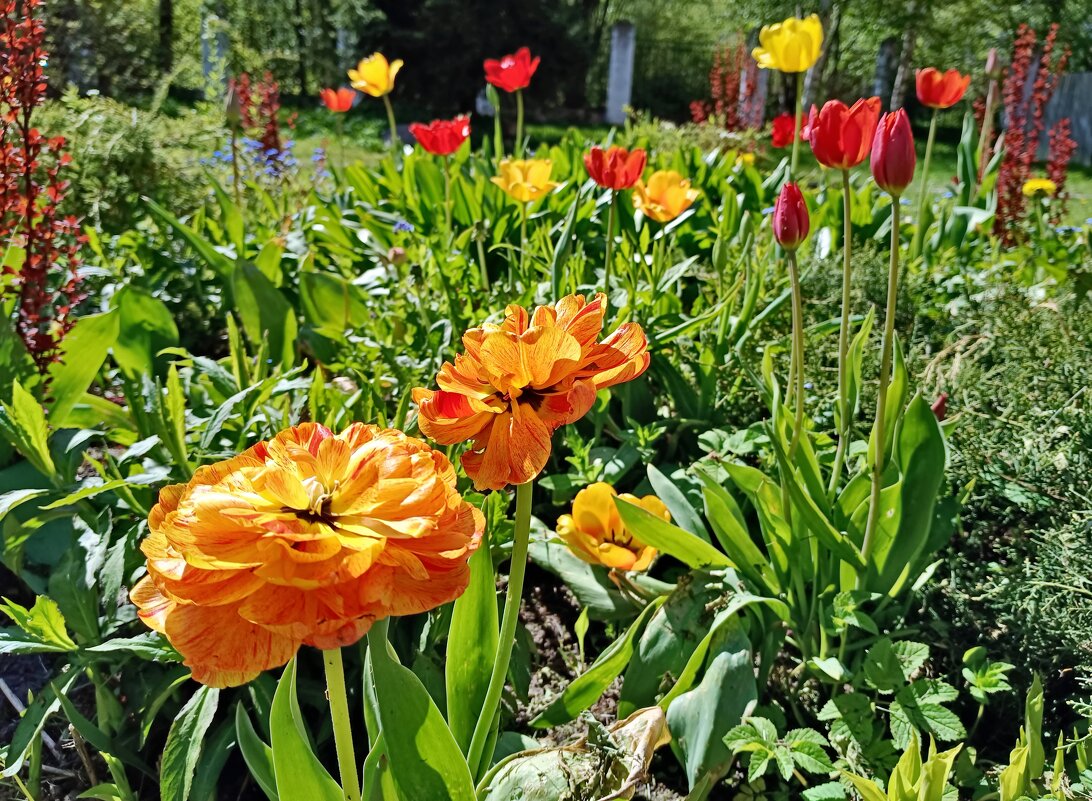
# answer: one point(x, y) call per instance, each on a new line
point(396, 256)
point(790, 217)
point(993, 64)
point(233, 108)
point(893, 156)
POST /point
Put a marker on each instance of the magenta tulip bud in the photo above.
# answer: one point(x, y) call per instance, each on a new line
point(893, 157)
point(790, 217)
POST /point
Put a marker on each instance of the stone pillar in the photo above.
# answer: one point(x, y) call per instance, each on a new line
point(623, 46)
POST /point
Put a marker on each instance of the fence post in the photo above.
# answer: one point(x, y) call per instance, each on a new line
point(623, 45)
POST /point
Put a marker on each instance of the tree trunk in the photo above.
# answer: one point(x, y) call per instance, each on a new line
point(885, 69)
point(166, 35)
point(830, 14)
point(906, 58)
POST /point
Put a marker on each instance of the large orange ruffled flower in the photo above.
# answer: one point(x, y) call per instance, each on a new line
point(595, 532)
point(519, 381)
point(307, 538)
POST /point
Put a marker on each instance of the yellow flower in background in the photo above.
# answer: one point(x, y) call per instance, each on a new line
point(746, 159)
point(1039, 186)
point(595, 533)
point(666, 195)
point(374, 75)
point(790, 46)
point(525, 179)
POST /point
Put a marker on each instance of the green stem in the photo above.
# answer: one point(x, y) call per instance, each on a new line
point(339, 716)
point(519, 124)
point(477, 760)
point(390, 121)
point(523, 243)
point(885, 377)
point(797, 350)
point(481, 263)
point(844, 412)
point(923, 191)
point(796, 120)
point(447, 202)
point(498, 133)
point(610, 245)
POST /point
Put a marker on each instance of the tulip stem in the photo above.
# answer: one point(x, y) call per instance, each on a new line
point(881, 398)
point(610, 245)
point(797, 350)
point(796, 122)
point(524, 212)
point(339, 717)
point(475, 758)
point(498, 133)
point(390, 121)
point(923, 191)
point(519, 124)
point(844, 412)
point(447, 202)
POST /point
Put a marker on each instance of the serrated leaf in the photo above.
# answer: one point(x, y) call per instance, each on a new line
point(784, 758)
point(882, 668)
point(911, 655)
point(830, 791)
point(43, 622)
point(812, 758)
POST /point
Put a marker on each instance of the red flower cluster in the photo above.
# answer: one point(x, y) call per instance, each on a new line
point(32, 191)
point(442, 137)
point(260, 106)
point(513, 72)
point(732, 84)
point(615, 168)
point(784, 130)
point(1062, 147)
point(1024, 115)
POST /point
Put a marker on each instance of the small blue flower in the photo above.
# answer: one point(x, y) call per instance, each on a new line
point(403, 227)
point(768, 210)
point(949, 194)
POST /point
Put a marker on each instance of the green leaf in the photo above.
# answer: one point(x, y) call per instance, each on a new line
point(564, 247)
point(731, 531)
point(23, 423)
point(688, 548)
point(829, 791)
point(82, 353)
point(184, 742)
point(257, 755)
point(218, 262)
point(1033, 728)
point(425, 760)
point(13, 498)
point(86, 492)
point(145, 327)
point(866, 787)
point(43, 621)
point(882, 668)
point(698, 719)
point(297, 770)
point(586, 688)
point(676, 502)
point(266, 315)
point(471, 648)
point(151, 646)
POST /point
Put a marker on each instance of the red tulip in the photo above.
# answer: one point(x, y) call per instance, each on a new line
point(841, 135)
point(442, 137)
point(893, 157)
point(941, 90)
point(338, 100)
point(513, 72)
point(940, 406)
point(790, 217)
point(615, 168)
point(784, 130)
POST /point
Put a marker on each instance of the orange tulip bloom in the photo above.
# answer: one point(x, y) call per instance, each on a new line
point(841, 136)
point(307, 538)
point(519, 381)
point(941, 90)
point(338, 100)
point(595, 532)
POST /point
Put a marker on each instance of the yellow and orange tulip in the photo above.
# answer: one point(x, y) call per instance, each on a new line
point(525, 180)
point(307, 538)
point(518, 382)
point(793, 45)
point(665, 196)
point(374, 75)
point(595, 532)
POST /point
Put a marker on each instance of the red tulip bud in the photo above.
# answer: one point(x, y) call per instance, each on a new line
point(893, 157)
point(940, 406)
point(790, 217)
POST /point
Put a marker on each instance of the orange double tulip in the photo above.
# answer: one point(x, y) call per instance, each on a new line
point(307, 538)
point(519, 381)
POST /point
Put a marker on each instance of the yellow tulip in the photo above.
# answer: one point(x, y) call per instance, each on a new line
point(595, 532)
point(374, 75)
point(525, 179)
point(1039, 186)
point(790, 46)
point(666, 195)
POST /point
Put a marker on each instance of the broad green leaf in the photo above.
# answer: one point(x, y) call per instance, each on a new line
point(145, 327)
point(677, 504)
point(33, 720)
point(13, 498)
point(218, 262)
point(732, 534)
point(257, 755)
point(1014, 778)
point(84, 493)
point(471, 647)
point(43, 621)
point(688, 548)
point(699, 718)
point(297, 770)
point(151, 646)
point(1033, 729)
point(184, 743)
point(23, 423)
point(866, 787)
point(265, 313)
point(586, 688)
point(82, 353)
point(425, 759)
